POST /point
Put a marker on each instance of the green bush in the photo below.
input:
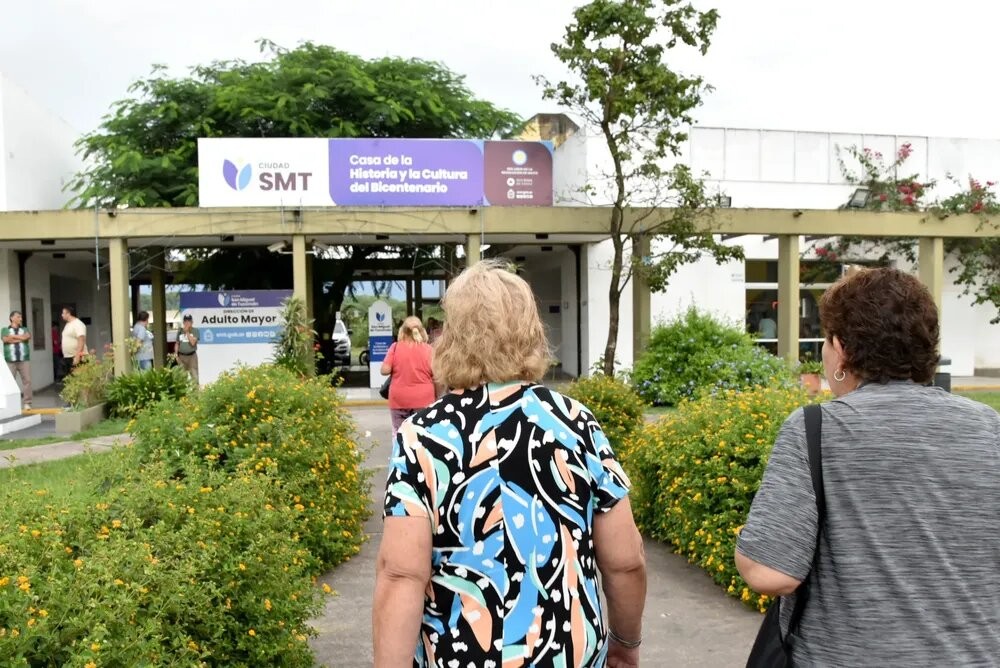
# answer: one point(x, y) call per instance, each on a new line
point(695, 473)
point(87, 384)
point(618, 408)
point(131, 567)
point(696, 354)
point(270, 420)
point(198, 545)
point(294, 347)
point(130, 394)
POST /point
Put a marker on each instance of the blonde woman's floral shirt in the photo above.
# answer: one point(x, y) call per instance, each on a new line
point(510, 478)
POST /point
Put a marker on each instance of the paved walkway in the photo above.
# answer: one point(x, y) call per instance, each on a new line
point(46, 453)
point(688, 621)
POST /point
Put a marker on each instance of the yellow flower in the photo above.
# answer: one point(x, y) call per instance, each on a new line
point(43, 613)
point(116, 524)
point(78, 562)
point(252, 633)
point(31, 622)
point(267, 604)
point(242, 566)
point(327, 589)
point(95, 647)
point(90, 664)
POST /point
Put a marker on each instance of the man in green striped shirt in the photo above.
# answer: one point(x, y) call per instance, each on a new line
point(17, 353)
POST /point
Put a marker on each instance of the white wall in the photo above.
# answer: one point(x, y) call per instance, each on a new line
point(37, 158)
point(597, 313)
point(718, 289)
point(569, 349)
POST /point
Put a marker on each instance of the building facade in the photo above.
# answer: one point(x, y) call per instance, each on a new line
point(768, 169)
point(37, 162)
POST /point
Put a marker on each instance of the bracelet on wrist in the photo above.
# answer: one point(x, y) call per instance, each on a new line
point(628, 644)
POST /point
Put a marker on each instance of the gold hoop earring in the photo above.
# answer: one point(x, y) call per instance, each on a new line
point(841, 377)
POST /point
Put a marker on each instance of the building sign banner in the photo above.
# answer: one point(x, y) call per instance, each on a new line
point(237, 327)
point(380, 337)
point(374, 172)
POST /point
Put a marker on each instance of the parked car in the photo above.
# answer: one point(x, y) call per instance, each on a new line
point(341, 348)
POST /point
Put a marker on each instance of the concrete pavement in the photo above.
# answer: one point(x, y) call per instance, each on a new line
point(688, 620)
point(37, 454)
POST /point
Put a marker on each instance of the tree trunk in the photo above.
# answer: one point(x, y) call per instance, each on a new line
point(614, 301)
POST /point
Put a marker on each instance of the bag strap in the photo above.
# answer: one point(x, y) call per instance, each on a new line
point(814, 436)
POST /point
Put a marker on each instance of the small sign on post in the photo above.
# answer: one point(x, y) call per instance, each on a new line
point(379, 339)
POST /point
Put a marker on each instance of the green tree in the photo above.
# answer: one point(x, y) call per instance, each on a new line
point(616, 51)
point(145, 151)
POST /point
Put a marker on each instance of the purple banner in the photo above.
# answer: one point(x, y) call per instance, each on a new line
point(242, 299)
point(518, 173)
point(406, 172)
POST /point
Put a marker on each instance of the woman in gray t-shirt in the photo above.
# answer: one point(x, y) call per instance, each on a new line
point(907, 570)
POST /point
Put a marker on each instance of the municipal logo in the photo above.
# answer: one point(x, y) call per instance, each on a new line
point(225, 299)
point(237, 178)
point(380, 317)
point(519, 157)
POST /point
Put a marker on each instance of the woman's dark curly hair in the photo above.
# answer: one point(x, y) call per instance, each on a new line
point(888, 324)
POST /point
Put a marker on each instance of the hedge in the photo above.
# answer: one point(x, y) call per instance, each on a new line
point(616, 406)
point(695, 474)
point(197, 548)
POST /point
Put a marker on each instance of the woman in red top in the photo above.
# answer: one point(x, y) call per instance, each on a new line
point(409, 363)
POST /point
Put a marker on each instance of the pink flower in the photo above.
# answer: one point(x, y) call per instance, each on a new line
point(883, 197)
point(977, 207)
point(908, 200)
point(822, 251)
point(905, 151)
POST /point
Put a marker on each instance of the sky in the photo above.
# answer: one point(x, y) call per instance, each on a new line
point(875, 66)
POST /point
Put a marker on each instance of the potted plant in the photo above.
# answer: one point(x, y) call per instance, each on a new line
point(811, 375)
point(84, 389)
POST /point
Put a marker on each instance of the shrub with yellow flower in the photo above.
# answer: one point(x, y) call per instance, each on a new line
point(695, 473)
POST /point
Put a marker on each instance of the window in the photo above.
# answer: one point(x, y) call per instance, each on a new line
point(815, 276)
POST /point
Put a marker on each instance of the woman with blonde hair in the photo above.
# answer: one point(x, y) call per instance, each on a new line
point(408, 361)
point(503, 501)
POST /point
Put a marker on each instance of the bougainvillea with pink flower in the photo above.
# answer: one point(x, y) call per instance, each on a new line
point(892, 187)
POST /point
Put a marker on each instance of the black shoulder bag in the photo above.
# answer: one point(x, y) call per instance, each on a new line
point(771, 650)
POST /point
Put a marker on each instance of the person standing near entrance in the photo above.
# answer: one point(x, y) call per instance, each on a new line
point(17, 353)
point(142, 334)
point(187, 348)
point(74, 340)
point(408, 362)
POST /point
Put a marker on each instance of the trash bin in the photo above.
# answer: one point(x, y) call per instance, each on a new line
point(942, 378)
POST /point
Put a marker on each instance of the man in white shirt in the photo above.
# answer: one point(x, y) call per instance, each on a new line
point(74, 340)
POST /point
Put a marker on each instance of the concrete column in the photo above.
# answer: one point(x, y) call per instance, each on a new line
point(136, 289)
point(473, 250)
point(788, 297)
point(300, 272)
point(159, 307)
point(310, 287)
point(120, 303)
point(418, 297)
point(931, 269)
point(641, 299)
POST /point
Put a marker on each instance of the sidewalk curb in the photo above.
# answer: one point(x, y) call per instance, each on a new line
point(976, 388)
point(364, 403)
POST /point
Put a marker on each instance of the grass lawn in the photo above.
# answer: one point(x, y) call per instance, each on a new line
point(103, 428)
point(988, 398)
point(64, 480)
